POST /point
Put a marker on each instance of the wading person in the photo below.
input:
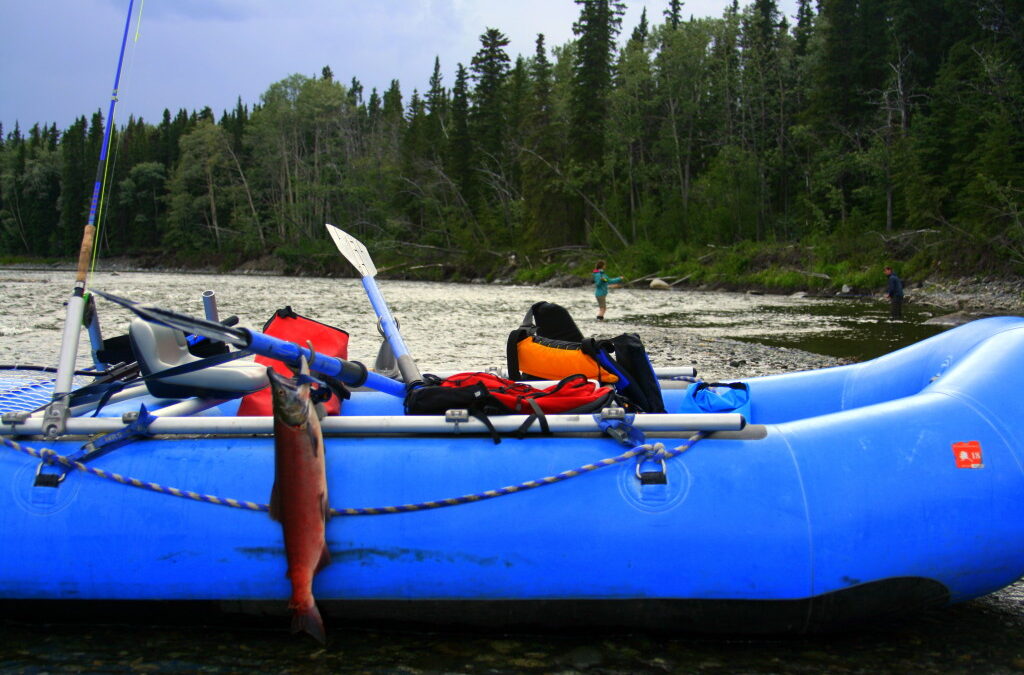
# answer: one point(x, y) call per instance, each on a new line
point(601, 282)
point(894, 290)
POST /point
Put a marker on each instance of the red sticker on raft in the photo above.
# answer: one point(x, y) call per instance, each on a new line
point(968, 455)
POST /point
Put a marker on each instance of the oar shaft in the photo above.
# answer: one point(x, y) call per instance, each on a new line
point(356, 253)
point(387, 321)
point(349, 372)
point(406, 364)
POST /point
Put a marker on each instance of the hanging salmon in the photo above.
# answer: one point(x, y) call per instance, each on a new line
point(299, 497)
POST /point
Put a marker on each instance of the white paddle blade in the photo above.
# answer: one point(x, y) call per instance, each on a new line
point(353, 250)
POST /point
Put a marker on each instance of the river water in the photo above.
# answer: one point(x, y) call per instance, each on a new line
point(464, 326)
point(451, 326)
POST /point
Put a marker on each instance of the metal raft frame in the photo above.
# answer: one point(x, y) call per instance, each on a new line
point(453, 423)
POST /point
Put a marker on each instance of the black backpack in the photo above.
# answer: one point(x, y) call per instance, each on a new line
point(549, 342)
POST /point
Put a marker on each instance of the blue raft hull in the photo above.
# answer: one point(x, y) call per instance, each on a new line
point(845, 498)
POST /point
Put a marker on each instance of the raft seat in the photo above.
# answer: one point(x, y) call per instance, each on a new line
point(160, 349)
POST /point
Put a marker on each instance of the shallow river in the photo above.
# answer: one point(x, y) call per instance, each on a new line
point(455, 326)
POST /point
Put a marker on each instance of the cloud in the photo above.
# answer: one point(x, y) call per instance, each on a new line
point(200, 10)
point(57, 57)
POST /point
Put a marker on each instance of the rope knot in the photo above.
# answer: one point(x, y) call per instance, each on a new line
point(656, 451)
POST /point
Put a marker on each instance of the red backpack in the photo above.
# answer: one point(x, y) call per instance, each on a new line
point(488, 394)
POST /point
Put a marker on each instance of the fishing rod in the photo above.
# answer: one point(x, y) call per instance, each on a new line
point(57, 412)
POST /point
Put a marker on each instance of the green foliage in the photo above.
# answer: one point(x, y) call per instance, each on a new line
point(775, 279)
point(725, 198)
point(532, 275)
point(310, 257)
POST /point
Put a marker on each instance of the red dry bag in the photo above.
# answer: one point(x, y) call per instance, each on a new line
point(287, 325)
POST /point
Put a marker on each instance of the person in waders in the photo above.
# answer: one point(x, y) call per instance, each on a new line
point(601, 282)
point(894, 289)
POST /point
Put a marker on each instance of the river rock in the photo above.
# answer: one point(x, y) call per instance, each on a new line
point(660, 285)
point(954, 319)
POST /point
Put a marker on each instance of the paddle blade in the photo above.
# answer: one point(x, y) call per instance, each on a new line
point(353, 250)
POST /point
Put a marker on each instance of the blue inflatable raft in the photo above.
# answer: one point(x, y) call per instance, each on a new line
point(832, 497)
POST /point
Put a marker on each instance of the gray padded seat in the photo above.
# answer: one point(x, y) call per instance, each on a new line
point(159, 348)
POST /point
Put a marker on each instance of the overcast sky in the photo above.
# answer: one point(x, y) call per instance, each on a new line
point(58, 57)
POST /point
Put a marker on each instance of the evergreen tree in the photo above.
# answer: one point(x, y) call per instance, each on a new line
point(642, 30)
point(804, 28)
point(416, 140)
point(355, 93)
point(489, 70)
point(674, 13)
point(631, 128)
point(436, 103)
point(460, 148)
point(373, 107)
point(596, 29)
point(391, 126)
point(852, 63)
point(37, 189)
point(517, 94)
point(76, 187)
point(234, 123)
point(392, 109)
point(599, 23)
point(13, 234)
point(765, 111)
point(541, 155)
point(725, 76)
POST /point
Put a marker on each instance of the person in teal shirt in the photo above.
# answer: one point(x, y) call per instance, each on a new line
point(601, 282)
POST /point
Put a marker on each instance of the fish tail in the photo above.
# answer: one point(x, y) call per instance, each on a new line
point(308, 619)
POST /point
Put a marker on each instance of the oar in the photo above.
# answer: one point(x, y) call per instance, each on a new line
point(356, 253)
point(350, 372)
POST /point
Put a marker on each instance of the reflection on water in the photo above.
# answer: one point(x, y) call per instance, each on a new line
point(851, 329)
point(855, 330)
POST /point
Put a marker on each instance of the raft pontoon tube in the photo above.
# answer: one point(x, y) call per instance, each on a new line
point(844, 495)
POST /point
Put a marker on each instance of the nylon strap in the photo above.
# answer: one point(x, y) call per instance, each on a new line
point(538, 414)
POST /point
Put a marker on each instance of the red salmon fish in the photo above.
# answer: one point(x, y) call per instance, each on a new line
point(299, 498)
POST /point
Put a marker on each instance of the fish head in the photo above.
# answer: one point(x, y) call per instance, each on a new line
point(290, 399)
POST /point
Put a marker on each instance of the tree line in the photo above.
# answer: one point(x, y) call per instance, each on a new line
point(855, 120)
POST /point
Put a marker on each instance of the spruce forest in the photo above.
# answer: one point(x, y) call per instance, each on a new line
point(750, 148)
